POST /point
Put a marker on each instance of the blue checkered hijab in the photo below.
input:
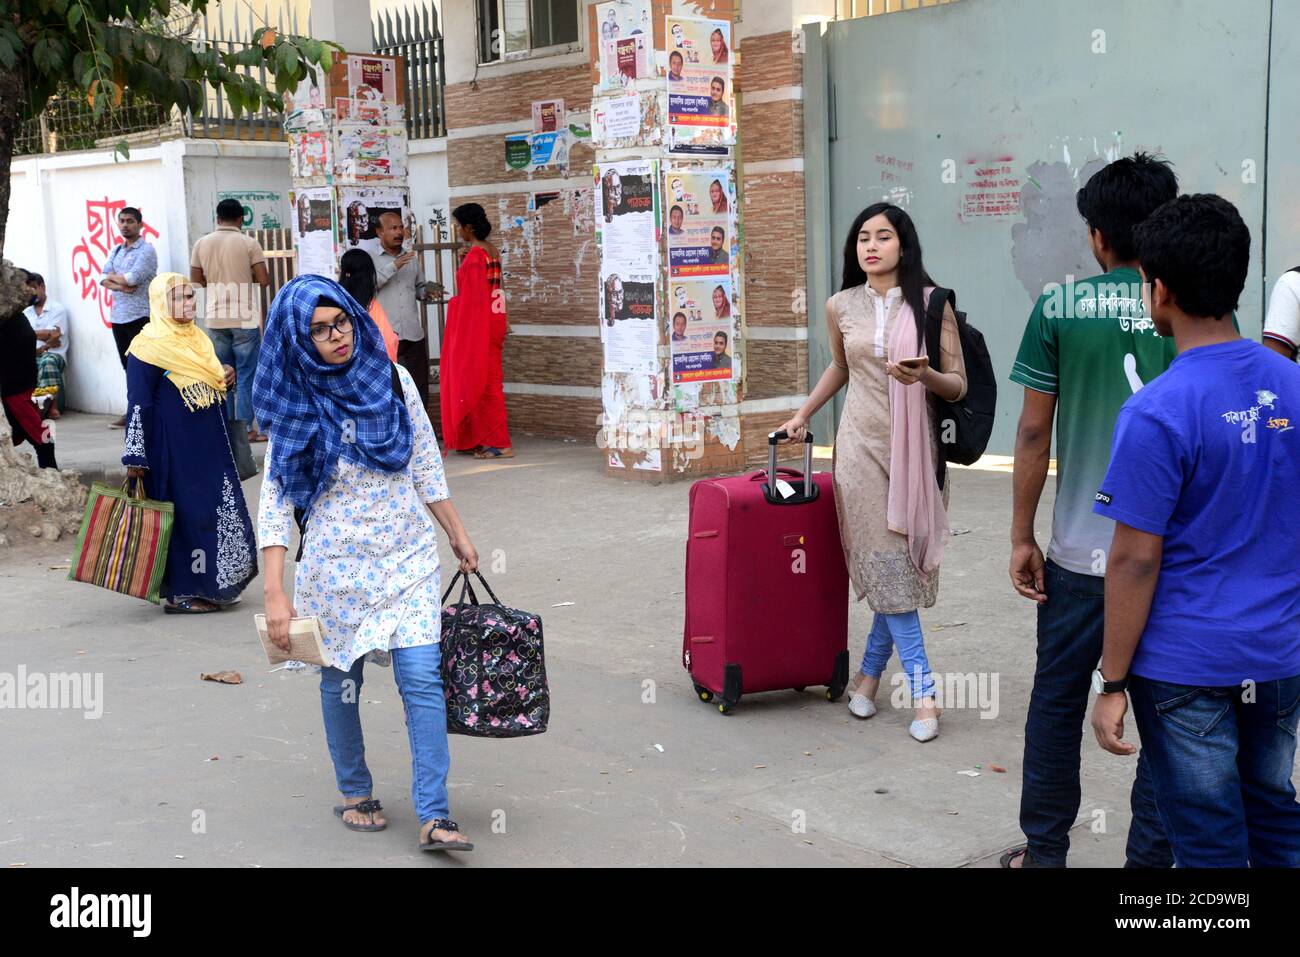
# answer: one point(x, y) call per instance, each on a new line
point(316, 412)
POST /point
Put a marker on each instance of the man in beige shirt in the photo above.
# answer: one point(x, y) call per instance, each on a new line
point(232, 269)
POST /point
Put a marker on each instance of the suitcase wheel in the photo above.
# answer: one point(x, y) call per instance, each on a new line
point(833, 694)
point(705, 694)
point(724, 707)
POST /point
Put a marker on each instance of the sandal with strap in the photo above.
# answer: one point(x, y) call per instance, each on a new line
point(368, 806)
point(442, 824)
point(492, 452)
point(1021, 851)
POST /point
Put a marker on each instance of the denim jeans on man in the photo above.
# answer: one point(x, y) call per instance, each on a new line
point(1069, 647)
point(1221, 760)
point(419, 681)
point(239, 348)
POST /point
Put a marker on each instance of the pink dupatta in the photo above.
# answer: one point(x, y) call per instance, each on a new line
point(915, 503)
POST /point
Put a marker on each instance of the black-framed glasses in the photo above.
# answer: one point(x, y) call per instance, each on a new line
point(322, 331)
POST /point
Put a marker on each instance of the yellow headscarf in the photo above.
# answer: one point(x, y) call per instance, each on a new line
point(182, 349)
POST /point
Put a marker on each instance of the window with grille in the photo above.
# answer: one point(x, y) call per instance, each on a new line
point(508, 29)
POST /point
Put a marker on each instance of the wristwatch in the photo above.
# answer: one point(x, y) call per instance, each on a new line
point(1102, 686)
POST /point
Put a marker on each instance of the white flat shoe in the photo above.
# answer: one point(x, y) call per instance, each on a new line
point(924, 729)
point(861, 705)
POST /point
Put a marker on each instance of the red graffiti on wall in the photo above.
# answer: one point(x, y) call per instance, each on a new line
point(90, 254)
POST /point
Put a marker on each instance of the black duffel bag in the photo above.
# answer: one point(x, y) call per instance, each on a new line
point(493, 667)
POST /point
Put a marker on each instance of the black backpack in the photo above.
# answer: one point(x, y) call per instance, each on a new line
point(966, 424)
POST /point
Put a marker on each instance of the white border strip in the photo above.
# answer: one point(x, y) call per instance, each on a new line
point(564, 391)
point(773, 95)
point(528, 186)
point(792, 165)
point(776, 333)
point(778, 403)
point(547, 329)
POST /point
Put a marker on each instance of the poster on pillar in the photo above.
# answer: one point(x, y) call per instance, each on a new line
point(364, 152)
point(310, 155)
point(628, 217)
point(701, 222)
point(701, 101)
point(372, 78)
point(626, 43)
point(313, 230)
point(629, 327)
point(360, 213)
point(703, 330)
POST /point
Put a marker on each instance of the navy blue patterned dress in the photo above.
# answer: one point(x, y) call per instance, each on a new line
point(212, 552)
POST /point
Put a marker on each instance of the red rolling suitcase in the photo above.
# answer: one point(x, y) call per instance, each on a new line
point(767, 591)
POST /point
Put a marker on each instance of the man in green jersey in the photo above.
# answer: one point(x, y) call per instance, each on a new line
point(1087, 347)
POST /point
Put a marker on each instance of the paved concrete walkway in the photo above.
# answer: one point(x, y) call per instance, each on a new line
point(634, 770)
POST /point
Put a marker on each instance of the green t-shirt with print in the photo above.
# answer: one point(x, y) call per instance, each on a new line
point(1091, 344)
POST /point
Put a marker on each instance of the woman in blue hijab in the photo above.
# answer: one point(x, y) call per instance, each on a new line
point(353, 458)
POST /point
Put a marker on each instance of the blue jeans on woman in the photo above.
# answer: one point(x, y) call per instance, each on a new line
point(903, 630)
point(418, 674)
point(1221, 761)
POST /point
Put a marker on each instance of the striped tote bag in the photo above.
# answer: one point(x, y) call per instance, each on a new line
point(122, 545)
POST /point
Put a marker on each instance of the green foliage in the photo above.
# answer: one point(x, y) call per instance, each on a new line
point(105, 46)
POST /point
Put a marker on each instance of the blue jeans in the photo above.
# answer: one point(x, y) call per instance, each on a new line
point(239, 348)
point(903, 630)
point(1222, 770)
point(419, 681)
point(1070, 629)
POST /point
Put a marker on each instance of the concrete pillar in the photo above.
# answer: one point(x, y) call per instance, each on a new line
point(345, 22)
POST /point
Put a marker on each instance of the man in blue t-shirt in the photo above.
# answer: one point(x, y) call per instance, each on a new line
point(1202, 586)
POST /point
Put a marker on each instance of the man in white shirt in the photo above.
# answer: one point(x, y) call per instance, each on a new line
point(1282, 323)
point(50, 322)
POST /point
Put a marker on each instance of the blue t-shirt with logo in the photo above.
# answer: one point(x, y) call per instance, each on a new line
point(1208, 456)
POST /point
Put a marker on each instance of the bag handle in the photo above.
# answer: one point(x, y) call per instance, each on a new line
point(134, 488)
point(467, 587)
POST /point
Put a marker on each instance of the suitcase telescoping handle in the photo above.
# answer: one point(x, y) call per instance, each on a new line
point(772, 439)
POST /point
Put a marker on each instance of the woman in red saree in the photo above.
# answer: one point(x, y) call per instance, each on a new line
point(471, 380)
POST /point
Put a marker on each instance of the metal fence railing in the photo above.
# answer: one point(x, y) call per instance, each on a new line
point(415, 36)
point(68, 122)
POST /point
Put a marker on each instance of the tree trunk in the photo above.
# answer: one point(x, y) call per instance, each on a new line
point(11, 112)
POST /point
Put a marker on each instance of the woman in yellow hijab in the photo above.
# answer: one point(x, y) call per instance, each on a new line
point(176, 441)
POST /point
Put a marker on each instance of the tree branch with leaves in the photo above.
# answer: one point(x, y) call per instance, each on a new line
point(104, 47)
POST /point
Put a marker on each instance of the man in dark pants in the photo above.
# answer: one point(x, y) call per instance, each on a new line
point(129, 269)
point(1203, 592)
point(399, 282)
point(1087, 347)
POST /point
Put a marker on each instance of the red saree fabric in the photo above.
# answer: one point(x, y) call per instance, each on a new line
point(470, 382)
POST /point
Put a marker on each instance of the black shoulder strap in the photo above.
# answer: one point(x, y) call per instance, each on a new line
point(939, 297)
point(397, 384)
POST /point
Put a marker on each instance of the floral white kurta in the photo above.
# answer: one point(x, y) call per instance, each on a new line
point(369, 568)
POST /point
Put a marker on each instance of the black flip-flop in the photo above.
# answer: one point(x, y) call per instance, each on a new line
point(186, 607)
point(1021, 850)
point(369, 806)
point(442, 824)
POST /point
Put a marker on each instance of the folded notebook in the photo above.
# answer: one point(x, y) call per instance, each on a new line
point(304, 641)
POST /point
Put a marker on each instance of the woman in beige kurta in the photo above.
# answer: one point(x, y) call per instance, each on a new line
point(882, 259)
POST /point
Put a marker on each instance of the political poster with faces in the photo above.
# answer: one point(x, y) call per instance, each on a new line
point(626, 37)
point(701, 102)
point(702, 330)
point(701, 225)
point(310, 155)
point(627, 214)
point(372, 78)
point(359, 212)
point(312, 222)
point(629, 329)
point(363, 151)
